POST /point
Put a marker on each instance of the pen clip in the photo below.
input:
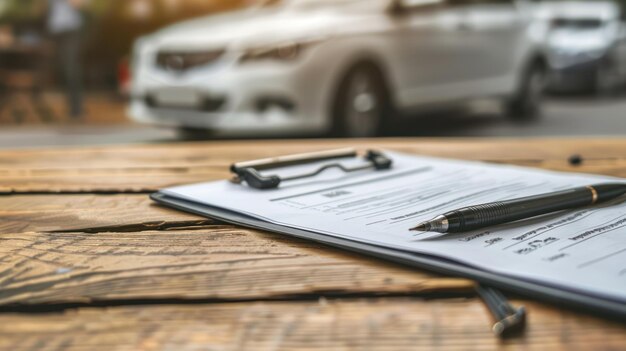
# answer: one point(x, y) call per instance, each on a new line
point(249, 171)
point(508, 319)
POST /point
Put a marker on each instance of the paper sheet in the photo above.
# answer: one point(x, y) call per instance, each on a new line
point(582, 250)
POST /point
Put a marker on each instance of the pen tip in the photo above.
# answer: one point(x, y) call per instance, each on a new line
point(422, 227)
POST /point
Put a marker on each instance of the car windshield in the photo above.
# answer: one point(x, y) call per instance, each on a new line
point(577, 24)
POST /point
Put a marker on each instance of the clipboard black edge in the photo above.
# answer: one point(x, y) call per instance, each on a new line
point(559, 297)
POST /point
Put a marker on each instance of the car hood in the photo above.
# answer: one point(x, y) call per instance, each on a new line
point(257, 27)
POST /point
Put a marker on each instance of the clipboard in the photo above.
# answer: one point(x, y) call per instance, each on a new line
point(554, 295)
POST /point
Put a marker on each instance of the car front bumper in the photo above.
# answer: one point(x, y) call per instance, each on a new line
point(576, 76)
point(238, 98)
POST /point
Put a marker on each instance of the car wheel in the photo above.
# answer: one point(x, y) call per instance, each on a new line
point(526, 104)
point(606, 80)
point(361, 103)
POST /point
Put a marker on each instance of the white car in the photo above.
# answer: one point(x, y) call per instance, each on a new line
point(586, 45)
point(341, 66)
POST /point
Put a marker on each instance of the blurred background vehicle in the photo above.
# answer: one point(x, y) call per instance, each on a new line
point(343, 66)
point(586, 46)
point(422, 66)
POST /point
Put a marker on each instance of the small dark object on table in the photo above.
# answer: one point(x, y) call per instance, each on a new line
point(575, 160)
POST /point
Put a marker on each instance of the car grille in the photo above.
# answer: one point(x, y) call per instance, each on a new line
point(208, 104)
point(182, 61)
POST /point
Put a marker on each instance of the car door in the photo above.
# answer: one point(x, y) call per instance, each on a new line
point(457, 49)
point(428, 51)
point(494, 42)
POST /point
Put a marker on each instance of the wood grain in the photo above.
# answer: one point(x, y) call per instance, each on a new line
point(150, 167)
point(94, 213)
point(114, 248)
point(364, 324)
point(218, 262)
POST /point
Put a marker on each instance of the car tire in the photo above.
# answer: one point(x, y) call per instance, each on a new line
point(527, 101)
point(361, 106)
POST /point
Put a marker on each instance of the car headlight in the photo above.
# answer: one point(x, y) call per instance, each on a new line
point(286, 53)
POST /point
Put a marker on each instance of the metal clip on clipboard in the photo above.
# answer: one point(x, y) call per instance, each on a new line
point(250, 171)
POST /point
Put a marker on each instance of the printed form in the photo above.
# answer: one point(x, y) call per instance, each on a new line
point(582, 249)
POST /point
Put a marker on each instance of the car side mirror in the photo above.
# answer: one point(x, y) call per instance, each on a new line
point(402, 7)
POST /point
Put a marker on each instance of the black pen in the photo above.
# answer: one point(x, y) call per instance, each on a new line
point(484, 215)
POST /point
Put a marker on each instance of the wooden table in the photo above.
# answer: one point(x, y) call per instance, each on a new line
point(88, 262)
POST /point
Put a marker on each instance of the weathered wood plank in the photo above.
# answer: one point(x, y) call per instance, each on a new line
point(223, 262)
point(219, 262)
point(123, 212)
point(150, 167)
point(217, 152)
point(365, 324)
